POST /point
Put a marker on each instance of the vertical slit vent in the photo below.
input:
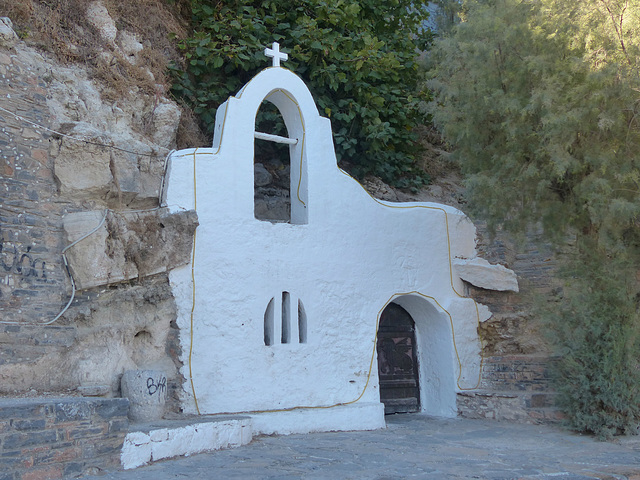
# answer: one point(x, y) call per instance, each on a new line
point(286, 317)
point(302, 323)
point(268, 323)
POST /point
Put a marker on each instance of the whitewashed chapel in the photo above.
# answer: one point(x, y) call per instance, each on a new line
point(281, 320)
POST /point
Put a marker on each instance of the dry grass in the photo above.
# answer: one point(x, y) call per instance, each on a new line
point(54, 26)
point(189, 132)
point(61, 28)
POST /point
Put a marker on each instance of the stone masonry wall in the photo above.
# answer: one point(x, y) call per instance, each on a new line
point(32, 279)
point(515, 380)
point(60, 438)
point(515, 383)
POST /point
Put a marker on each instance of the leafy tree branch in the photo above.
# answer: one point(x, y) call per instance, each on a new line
point(358, 59)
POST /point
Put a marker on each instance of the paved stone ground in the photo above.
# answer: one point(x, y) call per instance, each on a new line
point(413, 446)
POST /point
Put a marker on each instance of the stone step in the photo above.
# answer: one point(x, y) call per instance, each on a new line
point(147, 443)
point(526, 406)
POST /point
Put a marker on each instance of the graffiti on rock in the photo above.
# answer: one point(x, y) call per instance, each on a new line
point(153, 387)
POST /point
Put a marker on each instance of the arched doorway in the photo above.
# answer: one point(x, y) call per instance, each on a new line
point(397, 361)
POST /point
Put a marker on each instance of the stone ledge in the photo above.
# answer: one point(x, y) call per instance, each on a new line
point(523, 406)
point(479, 272)
point(147, 443)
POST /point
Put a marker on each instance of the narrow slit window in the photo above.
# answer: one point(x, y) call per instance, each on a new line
point(285, 323)
point(286, 317)
point(302, 323)
point(268, 324)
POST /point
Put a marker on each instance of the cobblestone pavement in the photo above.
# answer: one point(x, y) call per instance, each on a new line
point(413, 446)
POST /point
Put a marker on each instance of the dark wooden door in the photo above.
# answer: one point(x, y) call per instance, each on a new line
point(397, 363)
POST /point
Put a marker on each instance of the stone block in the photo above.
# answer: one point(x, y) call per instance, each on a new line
point(109, 447)
point(58, 455)
point(14, 460)
point(83, 169)
point(80, 432)
point(30, 424)
point(73, 469)
point(88, 450)
point(112, 408)
point(479, 272)
point(127, 246)
point(147, 393)
point(98, 16)
point(88, 259)
point(130, 176)
point(170, 443)
point(73, 411)
point(166, 117)
point(160, 435)
point(160, 241)
point(261, 175)
point(22, 354)
point(117, 426)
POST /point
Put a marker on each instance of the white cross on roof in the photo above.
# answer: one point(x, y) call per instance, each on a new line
point(276, 54)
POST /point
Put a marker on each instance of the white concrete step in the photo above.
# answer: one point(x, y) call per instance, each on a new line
point(147, 443)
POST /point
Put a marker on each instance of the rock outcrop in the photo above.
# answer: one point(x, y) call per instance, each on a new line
point(68, 155)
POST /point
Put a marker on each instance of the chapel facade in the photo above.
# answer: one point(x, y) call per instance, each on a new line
point(281, 320)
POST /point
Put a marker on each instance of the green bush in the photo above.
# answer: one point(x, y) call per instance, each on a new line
point(358, 58)
point(595, 329)
point(540, 102)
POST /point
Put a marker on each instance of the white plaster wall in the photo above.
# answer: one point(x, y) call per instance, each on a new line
point(358, 416)
point(143, 447)
point(346, 258)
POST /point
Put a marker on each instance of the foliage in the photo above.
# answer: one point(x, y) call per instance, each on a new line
point(597, 331)
point(540, 102)
point(357, 58)
point(545, 127)
point(448, 13)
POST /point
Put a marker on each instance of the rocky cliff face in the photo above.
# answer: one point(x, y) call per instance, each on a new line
point(74, 161)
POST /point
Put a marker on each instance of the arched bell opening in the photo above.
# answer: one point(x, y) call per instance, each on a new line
point(272, 167)
point(279, 122)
